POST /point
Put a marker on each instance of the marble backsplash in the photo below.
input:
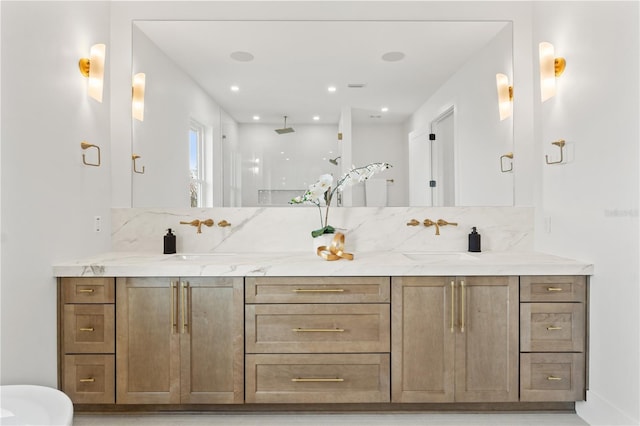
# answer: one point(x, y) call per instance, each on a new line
point(288, 229)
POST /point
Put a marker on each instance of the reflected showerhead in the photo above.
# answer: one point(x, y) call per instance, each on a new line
point(334, 161)
point(285, 129)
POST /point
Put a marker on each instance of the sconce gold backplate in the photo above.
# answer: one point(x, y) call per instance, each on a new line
point(85, 65)
point(510, 93)
point(559, 65)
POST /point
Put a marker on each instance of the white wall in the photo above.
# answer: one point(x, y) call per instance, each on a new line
point(480, 137)
point(591, 201)
point(374, 143)
point(49, 198)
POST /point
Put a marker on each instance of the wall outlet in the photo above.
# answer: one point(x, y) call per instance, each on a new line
point(97, 224)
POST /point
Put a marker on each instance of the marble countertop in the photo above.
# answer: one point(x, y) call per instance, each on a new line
point(380, 263)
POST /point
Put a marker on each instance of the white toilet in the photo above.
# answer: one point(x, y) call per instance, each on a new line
point(34, 405)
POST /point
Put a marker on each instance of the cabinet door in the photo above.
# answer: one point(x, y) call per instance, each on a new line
point(423, 338)
point(487, 339)
point(147, 342)
point(211, 340)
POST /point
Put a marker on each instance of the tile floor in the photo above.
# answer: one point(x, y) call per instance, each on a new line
point(386, 419)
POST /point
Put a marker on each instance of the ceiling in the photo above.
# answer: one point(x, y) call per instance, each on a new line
point(294, 62)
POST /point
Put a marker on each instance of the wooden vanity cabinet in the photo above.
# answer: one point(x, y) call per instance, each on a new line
point(179, 341)
point(87, 339)
point(455, 339)
point(553, 338)
point(317, 339)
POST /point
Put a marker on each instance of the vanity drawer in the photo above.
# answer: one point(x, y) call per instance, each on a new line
point(552, 377)
point(317, 378)
point(317, 328)
point(553, 288)
point(88, 290)
point(552, 327)
point(89, 379)
point(317, 289)
point(89, 329)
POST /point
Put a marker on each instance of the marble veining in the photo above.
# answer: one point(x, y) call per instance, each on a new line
point(380, 263)
point(288, 229)
point(276, 241)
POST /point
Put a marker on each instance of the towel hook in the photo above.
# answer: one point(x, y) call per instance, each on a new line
point(86, 145)
point(134, 157)
point(559, 143)
point(508, 155)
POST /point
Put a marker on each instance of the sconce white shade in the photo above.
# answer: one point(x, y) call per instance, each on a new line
point(550, 68)
point(137, 102)
point(93, 67)
point(505, 96)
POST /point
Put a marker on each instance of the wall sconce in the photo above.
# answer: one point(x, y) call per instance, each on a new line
point(508, 155)
point(137, 102)
point(86, 145)
point(505, 96)
point(550, 68)
point(559, 143)
point(93, 68)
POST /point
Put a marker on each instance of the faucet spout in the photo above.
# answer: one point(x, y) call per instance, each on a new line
point(429, 222)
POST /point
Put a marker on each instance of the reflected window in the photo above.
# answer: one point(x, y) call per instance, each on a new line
point(196, 163)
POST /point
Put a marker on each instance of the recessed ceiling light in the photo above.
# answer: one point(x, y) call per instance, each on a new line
point(316, 117)
point(384, 109)
point(331, 89)
point(256, 117)
point(393, 56)
point(241, 56)
point(234, 88)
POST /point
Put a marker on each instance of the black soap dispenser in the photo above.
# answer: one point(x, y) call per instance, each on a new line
point(169, 242)
point(474, 240)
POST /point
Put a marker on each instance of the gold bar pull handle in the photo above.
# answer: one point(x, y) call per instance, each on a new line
point(88, 380)
point(318, 290)
point(86, 290)
point(185, 306)
point(554, 327)
point(554, 289)
point(87, 329)
point(316, 379)
point(318, 330)
point(554, 378)
point(462, 307)
point(453, 306)
point(174, 324)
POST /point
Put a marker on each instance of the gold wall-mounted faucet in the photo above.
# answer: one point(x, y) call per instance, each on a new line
point(198, 223)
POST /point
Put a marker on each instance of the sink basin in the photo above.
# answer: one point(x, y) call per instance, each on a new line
point(436, 256)
point(200, 256)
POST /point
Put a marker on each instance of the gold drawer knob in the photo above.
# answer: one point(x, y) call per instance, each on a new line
point(86, 290)
point(553, 327)
point(316, 379)
point(554, 289)
point(318, 290)
point(554, 378)
point(88, 380)
point(87, 329)
point(318, 330)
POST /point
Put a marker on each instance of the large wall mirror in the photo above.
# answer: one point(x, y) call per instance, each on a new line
point(249, 113)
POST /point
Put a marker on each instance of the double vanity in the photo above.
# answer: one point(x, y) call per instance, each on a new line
point(388, 330)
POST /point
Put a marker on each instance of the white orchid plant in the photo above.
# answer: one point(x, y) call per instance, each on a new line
point(323, 190)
